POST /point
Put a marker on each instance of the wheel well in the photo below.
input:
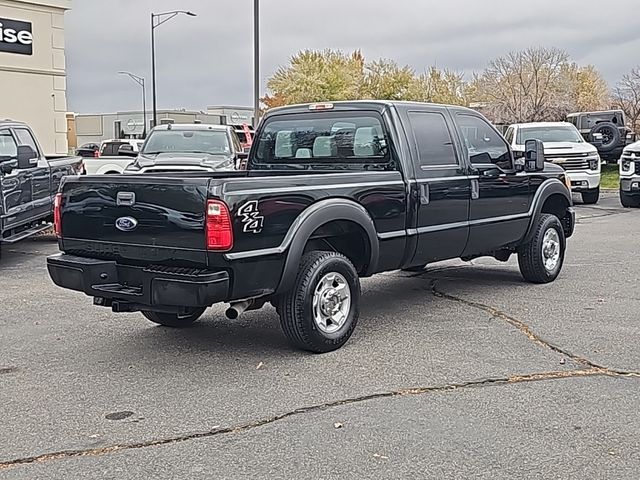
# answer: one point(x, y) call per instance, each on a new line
point(345, 237)
point(557, 205)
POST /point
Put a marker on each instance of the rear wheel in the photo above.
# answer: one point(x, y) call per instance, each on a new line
point(541, 259)
point(629, 201)
point(321, 311)
point(173, 319)
point(591, 197)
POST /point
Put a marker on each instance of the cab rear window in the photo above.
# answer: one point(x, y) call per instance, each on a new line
point(319, 138)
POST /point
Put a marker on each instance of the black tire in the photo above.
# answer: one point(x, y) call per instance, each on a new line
point(629, 201)
point(530, 256)
point(296, 307)
point(611, 135)
point(174, 320)
point(591, 197)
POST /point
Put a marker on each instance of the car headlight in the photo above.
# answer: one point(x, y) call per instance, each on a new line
point(594, 162)
point(626, 165)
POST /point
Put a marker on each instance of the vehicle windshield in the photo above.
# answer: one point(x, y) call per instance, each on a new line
point(213, 142)
point(549, 134)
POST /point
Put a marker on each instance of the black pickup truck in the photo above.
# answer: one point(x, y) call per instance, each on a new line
point(28, 182)
point(331, 193)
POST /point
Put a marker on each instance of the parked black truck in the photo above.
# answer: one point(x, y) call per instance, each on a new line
point(28, 182)
point(332, 193)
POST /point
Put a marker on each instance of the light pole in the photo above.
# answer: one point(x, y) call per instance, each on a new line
point(256, 63)
point(158, 19)
point(140, 81)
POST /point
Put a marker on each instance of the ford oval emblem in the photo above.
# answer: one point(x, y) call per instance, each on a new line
point(126, 224)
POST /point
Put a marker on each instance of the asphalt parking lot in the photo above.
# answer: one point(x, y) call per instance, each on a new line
point(463, 371)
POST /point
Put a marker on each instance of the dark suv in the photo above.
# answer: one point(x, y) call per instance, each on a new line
point(610, 125)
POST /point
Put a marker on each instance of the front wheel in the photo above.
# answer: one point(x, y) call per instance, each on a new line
point(541, 259)
point(591, 197)
point(629, 201)
point(321, 311)
point(174, 320)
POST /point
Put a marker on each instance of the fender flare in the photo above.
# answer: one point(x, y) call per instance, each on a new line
point(318, 214)
point(550, 187)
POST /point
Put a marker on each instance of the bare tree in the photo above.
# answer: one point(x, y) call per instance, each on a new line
point(527, 86)
point(626, 96)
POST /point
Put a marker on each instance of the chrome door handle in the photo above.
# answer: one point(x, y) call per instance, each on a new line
point(475, 189)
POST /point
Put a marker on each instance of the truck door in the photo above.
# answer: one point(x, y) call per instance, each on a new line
point(41, 194)
point(16, 186)
point(500, 198)
point(442, 187)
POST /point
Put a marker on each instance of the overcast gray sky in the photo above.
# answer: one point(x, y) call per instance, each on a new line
point(207, 60)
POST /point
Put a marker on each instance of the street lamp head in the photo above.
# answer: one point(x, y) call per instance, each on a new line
point(191, 14)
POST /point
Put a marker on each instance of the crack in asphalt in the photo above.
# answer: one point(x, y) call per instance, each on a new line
point(486, 382)
point(529, 333)
point(590, 369)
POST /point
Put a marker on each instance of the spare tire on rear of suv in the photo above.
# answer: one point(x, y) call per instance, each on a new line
point(610, 135)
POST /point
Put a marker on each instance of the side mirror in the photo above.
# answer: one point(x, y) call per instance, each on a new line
point(534, 155)
point(596, 139)
point(126, 151)
point(25, 156)
point(7, 165)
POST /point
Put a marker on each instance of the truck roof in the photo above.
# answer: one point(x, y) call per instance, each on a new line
point(193, 126)
point(542, 124)
point(377, 105)
point(599, 112)
point(8, 123)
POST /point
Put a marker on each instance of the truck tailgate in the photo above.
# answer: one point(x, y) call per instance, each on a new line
point(135, 219)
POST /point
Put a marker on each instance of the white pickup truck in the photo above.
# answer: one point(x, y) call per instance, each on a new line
point(564, 146)
point(110, 159)
point(630, 176)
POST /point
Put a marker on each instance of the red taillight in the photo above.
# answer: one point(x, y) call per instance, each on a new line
point(57, 215)
point(219, 228)
point(96, 154)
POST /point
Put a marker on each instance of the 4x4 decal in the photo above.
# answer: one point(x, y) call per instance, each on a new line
point(251, 217)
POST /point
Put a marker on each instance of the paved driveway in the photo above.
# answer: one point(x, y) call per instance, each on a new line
point(462, 371)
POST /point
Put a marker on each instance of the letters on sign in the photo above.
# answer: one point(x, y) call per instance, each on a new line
point(16, 37)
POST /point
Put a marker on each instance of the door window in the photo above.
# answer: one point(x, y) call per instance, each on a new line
point(8, 146)
point(484, 144)
point(432, 139)
point(25, 138)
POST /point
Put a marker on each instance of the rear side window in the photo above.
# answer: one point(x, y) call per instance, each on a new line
point(110, 149)
point(323, 138)
point(8, 146)
point(432, 138)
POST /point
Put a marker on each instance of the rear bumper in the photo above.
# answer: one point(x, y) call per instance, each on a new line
point(130, 288)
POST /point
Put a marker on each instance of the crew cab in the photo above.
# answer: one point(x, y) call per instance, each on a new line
point(29, 181)
point(630, 176)
point(331, 193)
point(184, 147)
point(564, 146)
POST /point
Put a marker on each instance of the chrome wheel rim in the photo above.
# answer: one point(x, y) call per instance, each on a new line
point(331, 302)
point(551, 249)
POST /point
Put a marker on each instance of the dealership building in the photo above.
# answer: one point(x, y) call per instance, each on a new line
point(32, 68)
